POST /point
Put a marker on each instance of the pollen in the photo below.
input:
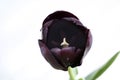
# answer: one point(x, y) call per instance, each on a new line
point(64, 43)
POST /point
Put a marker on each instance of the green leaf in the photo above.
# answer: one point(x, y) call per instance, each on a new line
point(95, 74)
point(72, 72)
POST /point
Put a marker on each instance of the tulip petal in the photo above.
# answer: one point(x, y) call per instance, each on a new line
point(88, 43)
point(68, 56)
point(49, 56)
point(57, 53)
point(59, 15)
point(71, 56)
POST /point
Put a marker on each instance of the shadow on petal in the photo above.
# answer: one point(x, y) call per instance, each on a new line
point(49, 56)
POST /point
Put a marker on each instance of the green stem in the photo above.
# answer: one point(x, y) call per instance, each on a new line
point(71, 74)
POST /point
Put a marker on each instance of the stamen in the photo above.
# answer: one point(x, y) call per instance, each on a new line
point(64, 43)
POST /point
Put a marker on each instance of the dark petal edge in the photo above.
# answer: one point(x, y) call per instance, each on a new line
point(48, 55)
point(89, 42)
point(59, 15)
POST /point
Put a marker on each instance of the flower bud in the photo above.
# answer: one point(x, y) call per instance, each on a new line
point(65, 40)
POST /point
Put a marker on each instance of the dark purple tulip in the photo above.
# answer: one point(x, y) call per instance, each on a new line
point(65, 40)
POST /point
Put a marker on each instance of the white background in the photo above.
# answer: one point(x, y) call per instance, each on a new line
point(20, 23)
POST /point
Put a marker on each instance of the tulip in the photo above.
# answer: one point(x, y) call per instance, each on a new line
point(65, 40)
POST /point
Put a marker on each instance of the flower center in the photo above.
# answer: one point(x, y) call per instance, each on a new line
point(60, 29)
point(64, 43)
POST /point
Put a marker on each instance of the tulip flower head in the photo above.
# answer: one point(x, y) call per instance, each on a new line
point(65, 40)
